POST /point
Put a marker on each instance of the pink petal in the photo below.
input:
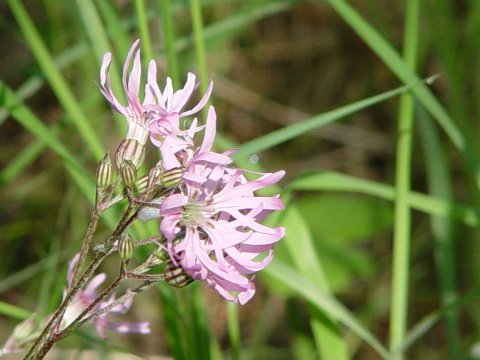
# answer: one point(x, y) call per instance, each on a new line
point(202, 102)
point(181, 97)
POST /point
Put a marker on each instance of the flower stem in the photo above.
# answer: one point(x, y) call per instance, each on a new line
point(78, 321)
point(46, 339)
point(402, 224)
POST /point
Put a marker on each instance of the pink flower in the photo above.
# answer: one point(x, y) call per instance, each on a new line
point(85, 297)
point(213, 229)
point(180, 151)
point(167, 110)
point(135, 112)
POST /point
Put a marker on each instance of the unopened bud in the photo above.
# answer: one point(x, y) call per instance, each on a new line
point(142, 184)
point(105, 172)
point(171, 177)
point(125, 247)
point(132, 150)
point(176, 276)
point(128, 173)
point(154, 175)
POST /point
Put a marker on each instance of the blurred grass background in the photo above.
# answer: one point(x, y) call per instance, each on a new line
point(275, 65)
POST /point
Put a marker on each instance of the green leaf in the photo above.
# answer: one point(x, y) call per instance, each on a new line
point(332, 181)
point(321, 300)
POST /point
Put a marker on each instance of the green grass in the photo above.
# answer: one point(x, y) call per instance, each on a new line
point(382, 184)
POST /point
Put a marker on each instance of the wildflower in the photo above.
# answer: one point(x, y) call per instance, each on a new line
point(85, 297)
point(167, 110)
point(135, 112)
point(222, 241)
point(180, 151)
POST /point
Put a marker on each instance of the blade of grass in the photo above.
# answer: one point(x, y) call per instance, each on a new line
point(142, 22)
point(200, 322)
point(55, 78)
point(115, 27)
point(292, 131)
point(439, 17)
point(21, 161)
point(402, 213)
point(394, 61)
point(299, 242)
point(13, 311)
point(27, 119)
point(197, 23)
point(169, 41)
point(424, 325)
point(99, 40)
point(234, 23)
point(321, 300)
point(233, 331)
point(332, 181)
point(439, 186)
point(172, 319)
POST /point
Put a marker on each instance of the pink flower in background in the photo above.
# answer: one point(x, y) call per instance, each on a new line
point(168, 108)
point(85, 297)
point(213, 229)
point(135, 112)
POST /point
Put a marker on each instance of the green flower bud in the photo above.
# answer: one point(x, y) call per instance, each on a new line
point(171, 177)
point(105, 174)
point(131, 150)
point(125, 247)
point(128, 173)
point(154, 174)
point(142, 184)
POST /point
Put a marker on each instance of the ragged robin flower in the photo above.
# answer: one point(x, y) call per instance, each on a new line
point(168, 108)
point(135, 111)
point(222, 240)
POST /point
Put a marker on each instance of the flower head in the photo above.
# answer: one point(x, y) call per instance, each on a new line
point(168, 108)
point(135, 111)
point(213, 229)
point(180, 151)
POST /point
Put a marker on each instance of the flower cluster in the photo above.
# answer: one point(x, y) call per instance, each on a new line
point(210, 214)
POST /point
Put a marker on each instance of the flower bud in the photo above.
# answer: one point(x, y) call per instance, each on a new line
point(105, 172)
point(142, 184)
point(128, 173)
point(132, 150)
point(154, 174)
point(125, 247)
point(176, 276)
point(171, 177)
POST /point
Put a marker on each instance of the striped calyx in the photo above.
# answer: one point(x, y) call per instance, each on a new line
point(176, 276)
point(128, 173)
point(105, 172)
point(171, 177)
point(125, 247)
point(130, 150)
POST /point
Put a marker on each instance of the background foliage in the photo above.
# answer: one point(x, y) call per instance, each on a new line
point(302, 85)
